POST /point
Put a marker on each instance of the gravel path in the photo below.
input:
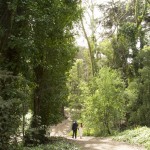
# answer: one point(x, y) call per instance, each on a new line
point(90, 143)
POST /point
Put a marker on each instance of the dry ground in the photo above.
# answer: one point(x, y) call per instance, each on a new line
point(90, 143)
point(95, 143)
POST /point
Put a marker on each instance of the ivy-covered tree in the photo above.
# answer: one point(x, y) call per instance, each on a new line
point(140, 107)
point(128, 25)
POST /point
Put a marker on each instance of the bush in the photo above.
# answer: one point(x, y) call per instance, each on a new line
point(139, 135)
point(9, 122)
point(58, 144)
point(12, 96)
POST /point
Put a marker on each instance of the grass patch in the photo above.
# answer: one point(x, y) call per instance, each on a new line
point(138, 136)
point(56, 143)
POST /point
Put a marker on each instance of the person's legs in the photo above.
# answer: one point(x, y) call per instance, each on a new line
point(81, 133)
point(75, 134)
point(72, 133)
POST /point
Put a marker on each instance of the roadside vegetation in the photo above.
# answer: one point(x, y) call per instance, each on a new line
point(138, 136)
point(64, 145)
point(55, 143)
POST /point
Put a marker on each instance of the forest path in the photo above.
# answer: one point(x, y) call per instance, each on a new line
point(90, 143)
point(97, 143)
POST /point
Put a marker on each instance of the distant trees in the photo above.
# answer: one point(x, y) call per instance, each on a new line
point(130, 43)
point(124, 49)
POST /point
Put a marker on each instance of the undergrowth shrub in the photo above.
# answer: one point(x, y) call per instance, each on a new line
point(55, 144)
point(139, 136)
point(12, 96)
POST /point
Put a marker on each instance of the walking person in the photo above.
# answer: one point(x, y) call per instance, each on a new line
point(74, 129)
point(80, 130)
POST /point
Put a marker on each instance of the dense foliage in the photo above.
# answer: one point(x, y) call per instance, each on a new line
point(118, 97)
point(36, 50)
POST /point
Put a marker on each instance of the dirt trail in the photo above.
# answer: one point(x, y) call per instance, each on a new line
point(90, 143)
point(61, 129)
point(95, 143)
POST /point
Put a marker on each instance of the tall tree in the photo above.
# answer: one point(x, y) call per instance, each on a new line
point(90, 27)
point(36, 42)
point(55, 52)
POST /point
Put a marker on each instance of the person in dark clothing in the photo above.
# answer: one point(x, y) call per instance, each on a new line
point(74, 129)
